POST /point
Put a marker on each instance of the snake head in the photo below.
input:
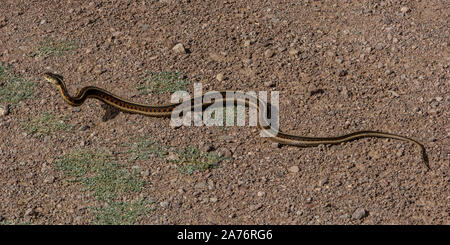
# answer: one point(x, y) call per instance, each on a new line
point(53, 78)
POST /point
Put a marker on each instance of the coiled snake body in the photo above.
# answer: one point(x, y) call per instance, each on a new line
point(166, 111)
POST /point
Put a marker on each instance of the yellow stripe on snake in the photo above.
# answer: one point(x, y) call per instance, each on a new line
point(166, 111)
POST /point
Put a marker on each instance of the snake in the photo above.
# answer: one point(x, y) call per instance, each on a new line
point(166, 110)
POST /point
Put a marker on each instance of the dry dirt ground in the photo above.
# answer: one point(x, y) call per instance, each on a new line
point(339, 66)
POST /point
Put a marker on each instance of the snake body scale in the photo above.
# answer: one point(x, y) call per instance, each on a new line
point(166, 111)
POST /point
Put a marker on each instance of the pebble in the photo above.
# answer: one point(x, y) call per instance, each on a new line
point(343, 73)
point(379, 46)
point(261, 193)
point(323, 181)
point(345, 216)
point(293, 51)
point(29, 212)
point(404, 9)
point(200, 185)
point(374, 154)
point(269, 53)
point(4, 110)
point(213, 199)
point(164, 204)
point(282, 49)
point(359, 213)
point(269, 84)
point(84, 127)
point(172, 156)
point(400, 152)
point(49, 179)
point(220, 77)
point(224, 152)
point(294, 169)
point(179, 48)
point(432, 112)
point(211, 185)
point(207, 147)
point(255, 207)
point(45, 168)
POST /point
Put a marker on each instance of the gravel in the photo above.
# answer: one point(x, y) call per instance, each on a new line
point(356, 53)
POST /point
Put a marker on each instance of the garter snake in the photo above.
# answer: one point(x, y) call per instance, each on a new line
point(166, 111)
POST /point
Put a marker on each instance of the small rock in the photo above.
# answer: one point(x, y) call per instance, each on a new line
point(172, 156)
point(145, 173)
point(323, 181)
point(216, 57)
point(206, 147)
point(4, 110)
point(226, 138)
point(400, 152)
point(359, 213)
point(404, 9)
point(211, 185)
point(269, 84)
point(379, 46)
point(294, 169)
point(374, 154)
point(261, 193)
point(343, 73)
point(439, 99)
point(200, 185)
point(395, 94)
point(282, 49)
point(345, 216)
point(293, 51)
point(247, 43)
point(432, 112)
point(84, 127)
point(49, 179)
point(219, 77)
point(255, 207)
point(224, 152)
point(308, 200)
point(29, 212)
point(213, 199)
point(164, 204)
point(78, 220)
point(269, 53)
point(45, 168)
point(179, 48)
